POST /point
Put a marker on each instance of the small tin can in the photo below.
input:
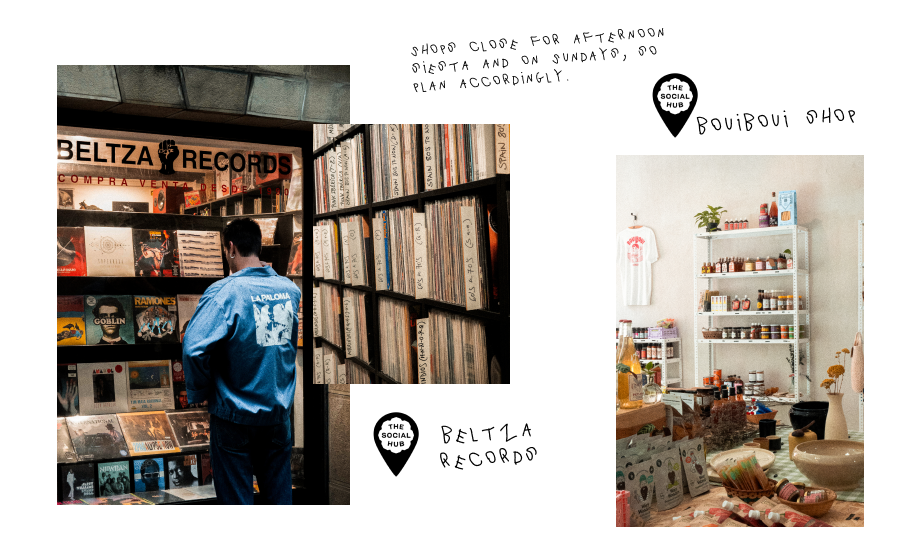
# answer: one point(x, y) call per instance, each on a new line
point(787, 491)
point(784, 332)
point(816, 495)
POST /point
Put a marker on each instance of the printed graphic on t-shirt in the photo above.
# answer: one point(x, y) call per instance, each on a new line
point(274, 322)
point(634, 252)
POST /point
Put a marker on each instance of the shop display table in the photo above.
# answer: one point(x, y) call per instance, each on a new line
point(784, 467)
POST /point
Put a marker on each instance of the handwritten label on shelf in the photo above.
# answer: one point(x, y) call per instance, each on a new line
point(429, 134)
point(502, 149)
point(317, 314)
point(349, 310)
point(380, 263)
point(424, 360)
point(420, 241)
point(328, 273)
point(356, 247)
point(469, 240)
point(329, 369)
point(333, 182)
point(346, 257)
point(344, 152)
point(394, 151)
point(317, 252)
point(342, 377)
point(318, 366)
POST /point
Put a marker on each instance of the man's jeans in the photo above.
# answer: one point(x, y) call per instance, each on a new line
point(239, 451)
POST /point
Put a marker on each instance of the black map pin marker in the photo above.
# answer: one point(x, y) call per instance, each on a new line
point(396, 436)
point(675, 97)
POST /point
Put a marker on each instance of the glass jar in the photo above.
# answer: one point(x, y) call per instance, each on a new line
point(651, 393)
point(765, 332)
point(781, 303)
point(790, 303)
point(784, 332)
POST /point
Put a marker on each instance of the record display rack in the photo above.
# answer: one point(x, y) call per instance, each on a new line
point(495, 190)
point(315, 488)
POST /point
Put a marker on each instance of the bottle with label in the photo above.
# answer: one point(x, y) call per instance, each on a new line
point(736, 304)
point(728, 225)
point(758, 264)
point(770, 263)
point(789, 262)
point(764, 216)
point(715, 411)
point(766, 300)
point(774, 216)
point(759, 300)
point(780, 262)
point(748, 265)
point(744, 224)
point(774, 300)
point(718, 267)
point(746, 304)
point(629, 384)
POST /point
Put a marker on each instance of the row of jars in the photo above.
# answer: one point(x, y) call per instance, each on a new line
point(653, 351)
point(758, 331)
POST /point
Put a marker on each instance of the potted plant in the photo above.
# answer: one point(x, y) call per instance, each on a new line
point(710, 218)
point(836, 427)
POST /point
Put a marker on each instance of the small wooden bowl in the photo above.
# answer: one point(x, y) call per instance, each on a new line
point(756, 418)
point(814, 509)
point(750, 497)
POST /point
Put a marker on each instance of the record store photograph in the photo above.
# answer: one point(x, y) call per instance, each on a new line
point(180, 376)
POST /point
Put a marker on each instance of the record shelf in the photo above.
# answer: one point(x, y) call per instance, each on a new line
point(495, 190)
point(315, 489)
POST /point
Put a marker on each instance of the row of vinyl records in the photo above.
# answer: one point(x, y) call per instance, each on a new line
point(449, 253)
point(444, 348)
point(406, 159)
point(126, 252)
point(326, 133)
point(108, 319)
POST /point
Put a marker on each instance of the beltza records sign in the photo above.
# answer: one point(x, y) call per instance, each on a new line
point(167, 156)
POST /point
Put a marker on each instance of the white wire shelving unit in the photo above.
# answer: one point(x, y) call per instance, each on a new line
point(860, 300)
point(799, 275)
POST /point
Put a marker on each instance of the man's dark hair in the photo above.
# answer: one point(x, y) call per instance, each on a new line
point(109, 301)
point(245, 234)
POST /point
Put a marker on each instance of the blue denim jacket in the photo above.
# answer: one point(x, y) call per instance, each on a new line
point(240, 347)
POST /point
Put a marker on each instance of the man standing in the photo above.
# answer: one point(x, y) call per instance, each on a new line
point(239, 356)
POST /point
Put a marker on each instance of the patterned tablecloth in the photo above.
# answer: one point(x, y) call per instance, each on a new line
point(785, 467)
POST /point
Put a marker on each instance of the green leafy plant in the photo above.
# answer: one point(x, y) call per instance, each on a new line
point(711, 216)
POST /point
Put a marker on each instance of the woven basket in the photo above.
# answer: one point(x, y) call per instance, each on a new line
point(814, 509)
point(712, 334)
point(751, 497)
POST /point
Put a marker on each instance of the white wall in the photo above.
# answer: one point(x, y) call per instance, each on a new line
point(665, 193)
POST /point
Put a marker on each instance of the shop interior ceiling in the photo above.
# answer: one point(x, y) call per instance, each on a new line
point(291, 97)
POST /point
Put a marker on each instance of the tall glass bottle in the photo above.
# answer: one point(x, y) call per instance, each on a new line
point(774, 214)
point(629, 384)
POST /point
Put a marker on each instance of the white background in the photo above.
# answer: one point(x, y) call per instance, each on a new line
point(760, 59)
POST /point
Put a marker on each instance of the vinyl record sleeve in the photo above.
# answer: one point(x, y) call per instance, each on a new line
point(182, 471)
point(148, 433)
point(156, 319)
point(68, 392)
point(149, 474)
point(109, 319)
point(97, 437)
point(65, 451)
point(187, 304)
point(114, 478)
point(192, 428)
point(71, 258)
point(158, 497)
point(109, 252)
point(120, 500)
point(156, 253)
point(78, 482)
point(71, 321)
point(103, 387)
point(150, 385)
point(295, 261)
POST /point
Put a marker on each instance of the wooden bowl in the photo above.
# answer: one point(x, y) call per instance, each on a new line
point(756, 418)
point(814, 509)
point(750, 497)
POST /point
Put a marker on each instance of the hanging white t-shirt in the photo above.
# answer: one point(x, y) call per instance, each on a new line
point(636, 252)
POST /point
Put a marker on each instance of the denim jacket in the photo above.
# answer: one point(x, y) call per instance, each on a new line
point(240, 347)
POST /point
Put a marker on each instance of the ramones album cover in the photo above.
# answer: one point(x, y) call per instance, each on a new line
point(156, 319)
point(107, 320)
point(155, 253)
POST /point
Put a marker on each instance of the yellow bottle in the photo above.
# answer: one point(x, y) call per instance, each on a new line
point(629, 384)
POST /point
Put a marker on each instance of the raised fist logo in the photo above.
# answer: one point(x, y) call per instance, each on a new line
point(168, 153)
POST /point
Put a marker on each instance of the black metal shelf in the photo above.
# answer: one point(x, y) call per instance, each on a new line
point(497, 321)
